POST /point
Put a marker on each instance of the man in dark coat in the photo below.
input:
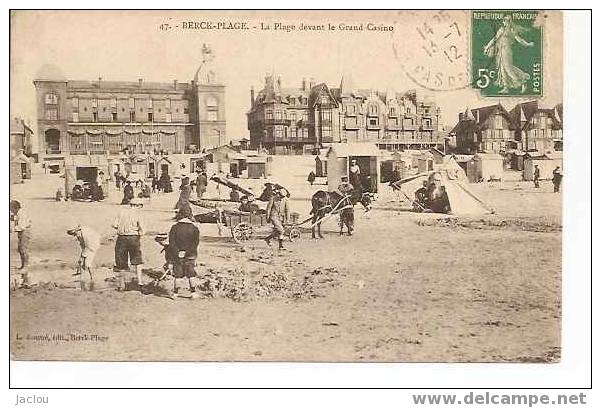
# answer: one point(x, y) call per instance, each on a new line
point(182, 250)
point(128, 193)
point(556, 179)
point(536, 176)
point(311, 177)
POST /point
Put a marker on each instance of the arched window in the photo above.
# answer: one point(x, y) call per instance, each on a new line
point(51, 99)
point(373, 109)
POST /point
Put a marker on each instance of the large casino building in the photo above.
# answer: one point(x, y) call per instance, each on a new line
point(115, 117)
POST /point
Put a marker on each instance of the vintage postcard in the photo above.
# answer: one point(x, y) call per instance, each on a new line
point(321, 186)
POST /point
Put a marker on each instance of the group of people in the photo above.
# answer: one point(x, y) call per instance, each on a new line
point(432, 197)
point(556, 178)
point(86, 190)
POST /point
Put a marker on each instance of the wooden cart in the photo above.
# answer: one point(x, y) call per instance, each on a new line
point(244, 227)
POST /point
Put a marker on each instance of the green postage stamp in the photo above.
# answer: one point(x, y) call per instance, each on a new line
point(507, 57)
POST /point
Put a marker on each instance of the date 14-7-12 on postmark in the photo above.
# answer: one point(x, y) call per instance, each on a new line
point(507, 58)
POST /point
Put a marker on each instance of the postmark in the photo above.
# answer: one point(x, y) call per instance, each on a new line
point(432, 48)
point(506, 53)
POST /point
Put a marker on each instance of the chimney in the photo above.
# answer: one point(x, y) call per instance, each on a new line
point(460, 116)
point(252, 96)
point(311, 82)
point(175, 84)
point(140, 82)
point(279, 82)
point(304, 85)
point(99, 81)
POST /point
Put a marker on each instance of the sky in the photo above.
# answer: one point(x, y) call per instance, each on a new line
point(127, 45)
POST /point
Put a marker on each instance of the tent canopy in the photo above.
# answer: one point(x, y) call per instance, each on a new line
point(462, 199)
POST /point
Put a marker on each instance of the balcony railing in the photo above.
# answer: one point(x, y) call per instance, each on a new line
point(53, 150)
point(373, 126)
point(277, 122)
point(428, 127)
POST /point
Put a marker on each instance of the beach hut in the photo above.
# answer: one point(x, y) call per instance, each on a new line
point(425, 162)
point(339, 158)
point(86, 169)
point(20, 168)
point(257, 167)
point(437, 155)
point(391, 167)
point(321, 166)
point(546, 162)
point(485, 167)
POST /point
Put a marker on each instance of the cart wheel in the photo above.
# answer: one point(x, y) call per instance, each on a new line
point(294, 234)
point(242, 232)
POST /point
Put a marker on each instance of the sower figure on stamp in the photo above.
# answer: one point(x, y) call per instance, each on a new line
point(499, 48)
point(277, 211)
point(89, 242)
point(347, 215)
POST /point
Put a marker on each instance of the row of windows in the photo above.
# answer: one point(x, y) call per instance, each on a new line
point(374, 109)
point(52, 99)
point(374, 121)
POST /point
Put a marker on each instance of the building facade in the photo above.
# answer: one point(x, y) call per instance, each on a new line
point(493, 129)
point(287, 120)
point(114, 117)
point(21, 138)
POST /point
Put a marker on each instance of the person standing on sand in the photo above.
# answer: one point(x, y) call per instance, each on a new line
point(89, 242)
point(311, 177)
point(277, 211)
point(184, 238)
point(22, 226)
point(127, 247)
point(184, 195)
point(128, 193)
point(556, 179)
point(536, 177)
point(201, 184)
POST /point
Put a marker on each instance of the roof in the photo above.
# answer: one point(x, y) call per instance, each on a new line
point(17, 126)
point(436, 151)
point(544, 156)
point(133, 85)
point(522, 113)
point(353, 149)
point(229, 152)
point(50, 72)
point(256, 159)
point(488, 156)
point(462, 158)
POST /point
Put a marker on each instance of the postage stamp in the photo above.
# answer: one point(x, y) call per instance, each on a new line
point(507, 57)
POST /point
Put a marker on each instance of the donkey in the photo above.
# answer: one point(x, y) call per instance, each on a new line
point(324, 202)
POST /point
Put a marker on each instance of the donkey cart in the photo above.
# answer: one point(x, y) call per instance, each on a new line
point(244, 227)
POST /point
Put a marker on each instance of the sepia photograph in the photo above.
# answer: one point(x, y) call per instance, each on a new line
point(290, 186)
